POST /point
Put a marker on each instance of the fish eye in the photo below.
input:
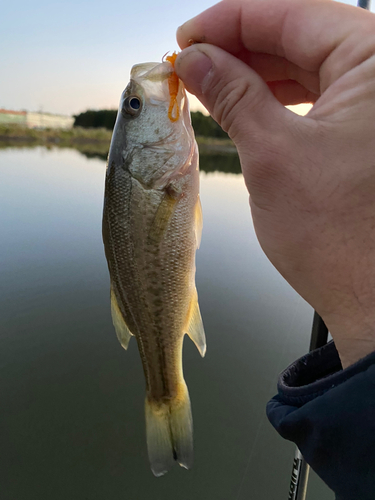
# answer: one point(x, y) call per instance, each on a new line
point(132, 105)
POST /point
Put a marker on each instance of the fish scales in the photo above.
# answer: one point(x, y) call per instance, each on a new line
point(151, 230)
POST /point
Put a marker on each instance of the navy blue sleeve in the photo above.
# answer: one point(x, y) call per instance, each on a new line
point(330, 414)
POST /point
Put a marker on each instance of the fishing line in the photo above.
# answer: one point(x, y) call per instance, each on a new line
point(271, 390)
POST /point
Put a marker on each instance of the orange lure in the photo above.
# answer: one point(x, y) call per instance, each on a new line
point(173, 83)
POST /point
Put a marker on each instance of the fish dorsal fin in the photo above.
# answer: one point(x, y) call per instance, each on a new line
point(198, 222)
point(195, 328)
point(122, 331)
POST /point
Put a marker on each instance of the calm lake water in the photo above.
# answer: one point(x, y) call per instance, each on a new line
point(72, 400)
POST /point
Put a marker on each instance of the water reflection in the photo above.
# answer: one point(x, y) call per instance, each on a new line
point(219, 159)
point(72, 399)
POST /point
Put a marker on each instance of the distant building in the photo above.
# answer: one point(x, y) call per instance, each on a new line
point(47, 120)
point(35, 120)
point(8, 117)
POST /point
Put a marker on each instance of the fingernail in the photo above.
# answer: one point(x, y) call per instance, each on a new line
point(185, 26)
point(193, 67)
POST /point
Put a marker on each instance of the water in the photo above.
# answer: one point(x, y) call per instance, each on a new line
point(71, 420)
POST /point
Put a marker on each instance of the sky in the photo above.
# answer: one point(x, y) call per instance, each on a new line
point(72, 55)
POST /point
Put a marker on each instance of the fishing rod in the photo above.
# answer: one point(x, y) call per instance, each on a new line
point(319, 336)
point(301, 469)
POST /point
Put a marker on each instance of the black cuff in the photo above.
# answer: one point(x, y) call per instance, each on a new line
point(316, 373)
point(330, 414)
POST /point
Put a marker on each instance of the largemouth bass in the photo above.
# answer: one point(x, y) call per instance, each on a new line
point(152, 225)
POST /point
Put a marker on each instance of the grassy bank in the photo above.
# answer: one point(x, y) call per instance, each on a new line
point(54, 136)
point(215, 154)
point(96, 139)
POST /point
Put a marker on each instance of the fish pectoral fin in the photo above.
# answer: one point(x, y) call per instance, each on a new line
point(122, 331)
point(195, 328)
point(162, 217)
point(198, 222)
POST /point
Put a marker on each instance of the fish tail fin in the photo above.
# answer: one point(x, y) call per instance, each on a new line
point(169, 431)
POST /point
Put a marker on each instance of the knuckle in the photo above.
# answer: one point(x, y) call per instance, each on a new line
point(229, 102)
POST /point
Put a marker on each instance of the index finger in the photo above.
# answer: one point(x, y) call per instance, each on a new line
point(304, 32)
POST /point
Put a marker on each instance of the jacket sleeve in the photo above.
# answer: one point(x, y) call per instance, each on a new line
point(330, 414)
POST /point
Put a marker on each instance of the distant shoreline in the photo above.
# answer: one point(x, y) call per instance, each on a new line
point(216, 154)
point(97, 139)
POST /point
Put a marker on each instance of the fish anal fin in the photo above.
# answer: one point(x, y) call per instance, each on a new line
point(198, 222)
point(122, 331)
point(195, 328)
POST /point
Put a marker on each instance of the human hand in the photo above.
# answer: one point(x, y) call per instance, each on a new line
point(311, 179)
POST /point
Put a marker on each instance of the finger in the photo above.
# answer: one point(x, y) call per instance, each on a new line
point(306, 33)
point(234, 94)
point(275, 69)
point(290, 92)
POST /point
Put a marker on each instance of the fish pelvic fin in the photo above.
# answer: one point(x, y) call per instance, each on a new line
point(195, 328)
point(122, 331)
point(169, 431)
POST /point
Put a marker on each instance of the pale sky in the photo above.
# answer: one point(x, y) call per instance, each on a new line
point(71, 55)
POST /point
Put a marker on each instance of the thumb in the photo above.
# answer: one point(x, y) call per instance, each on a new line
point(234, 94)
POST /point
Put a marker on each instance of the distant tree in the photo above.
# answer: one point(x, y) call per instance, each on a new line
point(206, 126)
point(103, 118)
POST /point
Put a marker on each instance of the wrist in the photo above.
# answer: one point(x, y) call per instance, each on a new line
point(354, 340)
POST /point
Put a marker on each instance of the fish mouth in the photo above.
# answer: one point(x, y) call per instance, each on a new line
point(152, 72)
point(154, 78)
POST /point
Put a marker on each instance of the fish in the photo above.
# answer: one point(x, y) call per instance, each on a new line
point(152, 225)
